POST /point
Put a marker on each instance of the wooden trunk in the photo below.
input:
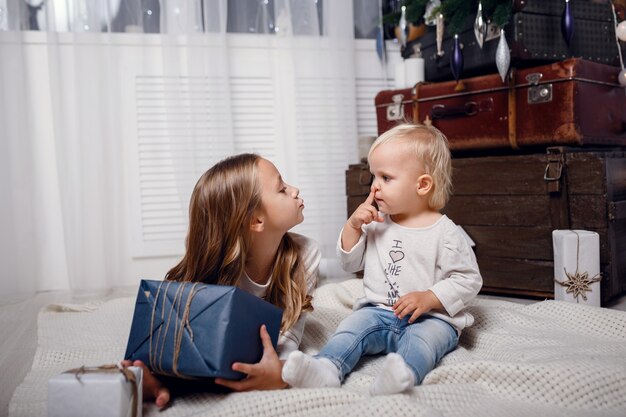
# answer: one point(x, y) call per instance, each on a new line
point(510, 204)
point(358, 182)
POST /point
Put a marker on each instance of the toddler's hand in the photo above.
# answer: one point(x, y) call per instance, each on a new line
point(416, 302)
point(365, 213)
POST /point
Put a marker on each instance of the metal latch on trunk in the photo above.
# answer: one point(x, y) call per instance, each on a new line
point(365, 177)
point(395, 111)
point(538, 93)
point(554, 171)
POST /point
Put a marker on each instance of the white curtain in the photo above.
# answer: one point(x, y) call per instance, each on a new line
point(110, 110)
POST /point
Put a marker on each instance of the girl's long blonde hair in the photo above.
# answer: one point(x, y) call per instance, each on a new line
point(218, 240)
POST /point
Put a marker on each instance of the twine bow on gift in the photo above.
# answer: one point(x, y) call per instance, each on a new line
point(129, 376)
point(578, 284)
point(158, 341)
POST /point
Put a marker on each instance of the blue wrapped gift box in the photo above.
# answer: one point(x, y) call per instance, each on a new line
point(195, 330)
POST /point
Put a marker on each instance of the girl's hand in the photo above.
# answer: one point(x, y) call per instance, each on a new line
point(265, 375)
point(153, 389)
point(417, 302)
point(365, 213)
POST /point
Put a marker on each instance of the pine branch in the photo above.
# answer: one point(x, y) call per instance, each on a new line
point(502, 13)
point(456, 12)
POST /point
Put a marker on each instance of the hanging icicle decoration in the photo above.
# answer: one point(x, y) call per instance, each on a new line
point(620, 35)
point(621, 77)
point(567, 23)
point(439, 33)
point(503, 56)
point(620, 31)
point(430, 18)
point(480, 28)
point(456, 63)
point(402, 29)
point(381, 48)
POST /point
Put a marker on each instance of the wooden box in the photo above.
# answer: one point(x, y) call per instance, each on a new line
point(358, 182)
point(510, 204)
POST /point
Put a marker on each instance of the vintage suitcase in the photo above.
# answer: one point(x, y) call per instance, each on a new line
point(393, 107)
point(572, 102)
point(534, 38)
point(510, 204)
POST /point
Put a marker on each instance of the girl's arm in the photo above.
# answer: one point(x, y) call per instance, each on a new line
point(265, 375)
point(290, 339)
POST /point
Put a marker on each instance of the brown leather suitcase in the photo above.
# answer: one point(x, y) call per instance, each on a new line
point(572, 103)
point(393, 107)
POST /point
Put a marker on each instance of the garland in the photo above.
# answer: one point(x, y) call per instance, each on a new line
point(455, 12)
point(454, 15)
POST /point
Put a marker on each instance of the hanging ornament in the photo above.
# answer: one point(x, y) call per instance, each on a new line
point(622, 77)
point(440, 30)
point(381, 50)
point(430, 18)
point(567, 24)
point(620, 31)
point(34, 7)
point(620, 34)
point(480, 28)
point(401, 30)
point(503, 56)
point(456, 63)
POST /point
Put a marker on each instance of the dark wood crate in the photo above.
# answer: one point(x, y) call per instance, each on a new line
point(358, 183)
point(510, 204)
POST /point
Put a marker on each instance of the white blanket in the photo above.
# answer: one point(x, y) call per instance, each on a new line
point(544, 359)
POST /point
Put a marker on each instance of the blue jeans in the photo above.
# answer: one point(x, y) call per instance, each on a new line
point(372, 330)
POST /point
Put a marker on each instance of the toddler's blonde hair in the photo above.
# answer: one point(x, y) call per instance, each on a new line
point(430, 147)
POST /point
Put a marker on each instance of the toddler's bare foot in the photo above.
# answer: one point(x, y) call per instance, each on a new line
point(153, 389)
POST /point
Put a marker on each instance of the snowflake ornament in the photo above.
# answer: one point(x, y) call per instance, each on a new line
point(579, 284)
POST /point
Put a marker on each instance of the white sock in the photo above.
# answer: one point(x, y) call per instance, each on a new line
point(395, 377)
point(304, 371)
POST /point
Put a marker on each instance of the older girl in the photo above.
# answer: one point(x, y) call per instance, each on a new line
point(239, 216)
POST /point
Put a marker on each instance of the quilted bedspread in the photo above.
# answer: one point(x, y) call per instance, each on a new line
point(544, 359)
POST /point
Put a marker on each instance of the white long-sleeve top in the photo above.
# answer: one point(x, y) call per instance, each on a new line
point(289, 340)
point(398, 260)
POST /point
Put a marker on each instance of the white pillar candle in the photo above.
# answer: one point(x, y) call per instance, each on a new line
point(413, 71)
point(576, 266)
point(399, 74)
